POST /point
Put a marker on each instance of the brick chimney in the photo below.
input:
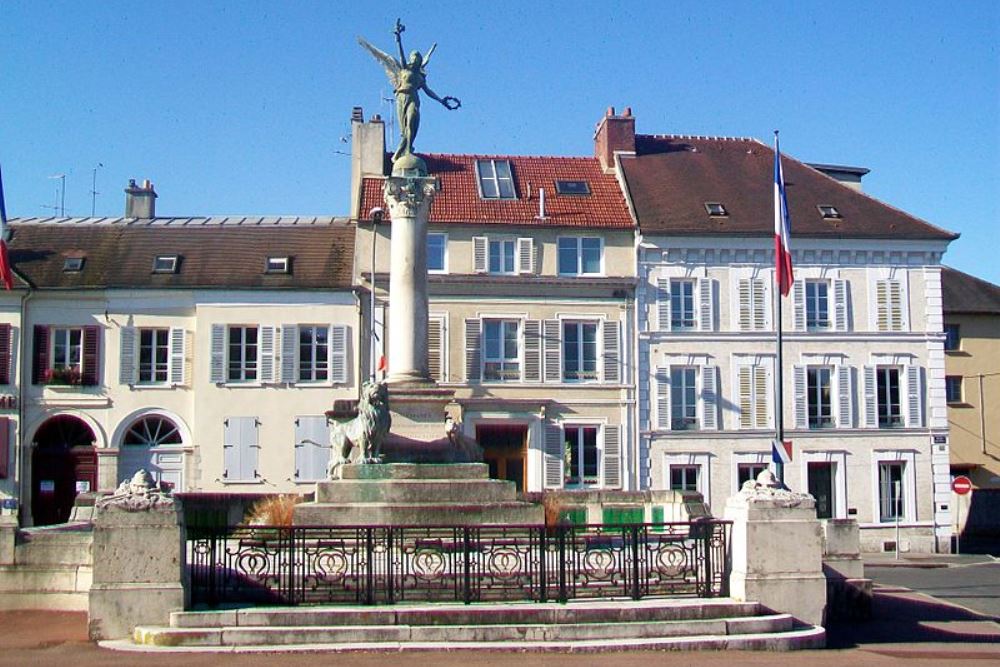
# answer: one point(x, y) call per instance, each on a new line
point(367, 154)
point(140, 200)
point(614, 134)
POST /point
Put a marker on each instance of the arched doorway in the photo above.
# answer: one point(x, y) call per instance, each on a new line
point(153, 442)
point(63, 464)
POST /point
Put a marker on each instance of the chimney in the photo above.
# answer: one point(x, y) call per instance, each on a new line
point(140, 200)
point(615, 134)
point(367, 154)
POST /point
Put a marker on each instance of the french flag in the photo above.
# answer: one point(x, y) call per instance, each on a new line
point(5, 274)
point(782, 253)
point(781, 452)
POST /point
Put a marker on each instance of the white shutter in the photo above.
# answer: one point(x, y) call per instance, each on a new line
point(289, 352)
point(473, 350)
point(612, 353)
point(554, 456)
point(882, 307)
point(799, 305)
point(525, 255)
point(338, 353)
point(663, 398)
point(126, 364)
point(435, 349)
point(480, 249)
point(897, 306)
point(745, 304)
point(845, 397)
point(761, 397)
point(240, 449)
point(744, 380)
point(250, 438)
point(709, 398)
point(178, 340)
point(759, 304)
point(612, 457)
point(914, 399)
point(552, 346)
point(871, 396)
point(801, 384)
point(706, 304)
point(267, 350)
point(663, 304)
point(310, 458)
point(840, 305)
point(532, 351)
point(218, 368)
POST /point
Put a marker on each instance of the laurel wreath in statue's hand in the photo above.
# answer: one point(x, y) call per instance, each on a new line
point(451, 103)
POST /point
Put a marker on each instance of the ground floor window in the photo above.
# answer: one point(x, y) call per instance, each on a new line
point(582, 456)
point(890, 490)
point(821, 483)
point(684, 478)
point(748, 471)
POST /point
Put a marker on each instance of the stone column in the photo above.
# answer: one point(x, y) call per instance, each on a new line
point(409, 200)
point(777, 549)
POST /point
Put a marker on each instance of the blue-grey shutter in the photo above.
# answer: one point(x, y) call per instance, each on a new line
point(231, 449)
point(663, 398)
point(240, 449)
point(338, 353)
point(612, 457)
point(267, 354)
point(250, 440)
point(871, 404)
point(663, 304)
point(706, 304)
point(845, 397)
point(289, 352)
point(532, 351)
point(554, 456)
point(311, 458)
point(178, 339)
point(473, 350)
point(552, 345)
point(801, 400)
point(218, 369)
point(126, 367)
point(709, 398)
point(841, 319)
point(799, 305)
point(914, 400)
point(612, 352)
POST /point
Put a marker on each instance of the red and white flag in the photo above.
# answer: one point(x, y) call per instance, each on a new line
point(5, 273)
point(783, 277)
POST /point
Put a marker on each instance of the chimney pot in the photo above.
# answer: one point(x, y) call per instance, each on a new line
point(358, 114)
point(140, 202)
point(627, 113)
point(610, 113)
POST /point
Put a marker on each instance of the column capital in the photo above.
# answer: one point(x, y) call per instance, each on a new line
point(409, 196)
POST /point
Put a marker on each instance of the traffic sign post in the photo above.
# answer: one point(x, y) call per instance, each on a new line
point(961, 485)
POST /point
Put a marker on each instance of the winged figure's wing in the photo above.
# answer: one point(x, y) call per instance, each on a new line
point(389, 63)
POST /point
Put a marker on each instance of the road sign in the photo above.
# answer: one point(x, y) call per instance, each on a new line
point(961, 485)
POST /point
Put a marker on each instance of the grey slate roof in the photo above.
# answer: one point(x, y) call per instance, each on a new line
point(967, 294)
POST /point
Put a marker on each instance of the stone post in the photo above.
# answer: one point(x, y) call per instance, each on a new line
point(137, 560)
point(777, 549)
point(409, 200)
point(8, 535)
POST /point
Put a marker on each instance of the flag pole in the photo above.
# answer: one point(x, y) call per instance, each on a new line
point(782, 285)
point(779, 381)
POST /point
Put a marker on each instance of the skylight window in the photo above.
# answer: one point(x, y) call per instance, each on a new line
point(496, 180)
point(715, 209)
point(278, 265)
point(165, 263)
point(572, 187)
point(828, 211)
point(73, 264)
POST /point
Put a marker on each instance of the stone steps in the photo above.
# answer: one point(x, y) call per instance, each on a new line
point(415, 490)
point(432, 513)
point(54, 546)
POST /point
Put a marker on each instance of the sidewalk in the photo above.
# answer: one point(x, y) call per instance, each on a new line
point(921, 560)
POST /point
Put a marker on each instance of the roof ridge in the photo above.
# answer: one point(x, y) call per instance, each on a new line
point(582, 158)
point(187, 221)
point(705, 137)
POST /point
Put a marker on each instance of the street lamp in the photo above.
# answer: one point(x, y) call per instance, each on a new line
point(375, 215)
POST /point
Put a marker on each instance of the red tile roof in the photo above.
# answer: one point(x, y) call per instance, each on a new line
point(673, 177)
point(458, 201)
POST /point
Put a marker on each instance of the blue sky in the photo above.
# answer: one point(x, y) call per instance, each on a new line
point(242, 107)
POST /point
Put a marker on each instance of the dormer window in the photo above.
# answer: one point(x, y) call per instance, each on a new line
point(715, 209)
point(496, 180)
point(828, 212)
point(572, 187)
point(165, 263)
point(73, 264)
point(278, 265)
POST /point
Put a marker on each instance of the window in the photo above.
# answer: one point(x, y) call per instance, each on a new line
point(579, 351)
point(748, 471)
point(582, 456)
point(436, 255)
point(579, 255)
point(154, 355)
point(683, 398)
point(716, 209)
point(822, 475)
point(817, 305)
point(314, 353)
point(952, 337)
point(502, 255)
point(242, 365)
point(684, 478)
point(890, 490)
point(887, 385)
point(953, 388)
point(501, 354)
point(682, 305)
point(572, 188)
point(67, 352)
point(754, 397)
point(752, 304)
point(73, 264)
point(818, 398)
point(495, 179)
point(828, 211)
point(278, 265)
point(152, 432)
point(165, 264)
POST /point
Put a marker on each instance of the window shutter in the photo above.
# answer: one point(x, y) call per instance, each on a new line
point(525, 255)
point(897, 308)
point(250, 439)
point(218, 370)
point(761, 397)
point(553, 350)
point(40, 352)
point(6, 333)
point(745, 374)
point(612, 457)
point(289, 352)
point(178, 345)
point(480, 246)
point(532, 351)
point(5, 447)
point(882, 317)
point(554, 456)
point(663, 398)
point(709, 398)
point(267, 345)
point(799, 304)
point(612, 353)
point(745, 304)
point(914, 397)
point(845, 397)
point(91, 356)
point(311, 459)
point(801, 385)
point(871, 404)
point(435, 352)
point(759, 305)
point(840, 314)
point(663, 304)
point(231, 449)
point(338, 353)
point(473, 350)
point(706, 304)
point(126, 362)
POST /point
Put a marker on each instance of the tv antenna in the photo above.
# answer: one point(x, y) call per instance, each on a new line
point(61, 192)
point(94, 192)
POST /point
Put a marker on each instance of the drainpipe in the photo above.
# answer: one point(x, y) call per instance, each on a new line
point(982, 412)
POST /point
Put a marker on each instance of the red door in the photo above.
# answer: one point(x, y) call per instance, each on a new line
point(63, 464)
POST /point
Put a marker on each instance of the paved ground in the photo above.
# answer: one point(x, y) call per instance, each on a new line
point(969, 582)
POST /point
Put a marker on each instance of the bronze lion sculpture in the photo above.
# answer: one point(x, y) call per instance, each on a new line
point(360, 439)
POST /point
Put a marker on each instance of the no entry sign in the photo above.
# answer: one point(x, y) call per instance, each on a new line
point(961, 485)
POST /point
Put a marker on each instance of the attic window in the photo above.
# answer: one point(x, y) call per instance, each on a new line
point(828, 211)
point(165, 263)
point(278, 265)
point(496, 180)
point(73, 264)
point(715, 209)
point(572, 187)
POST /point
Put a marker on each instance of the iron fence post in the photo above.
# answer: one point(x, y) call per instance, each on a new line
point(561, 542)
point(467, 565)
point(634, 535)
point(369, 565)
point(543, 579)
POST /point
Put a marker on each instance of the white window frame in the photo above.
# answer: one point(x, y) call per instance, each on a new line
point(444, 252)
point(702, 460)
point(695, 406)
point(879, 372)
point(138, 359)
point(754, 458)
point(598, 426)
point(815, 299)
point(502, 359)
point(839, 461)
point(577, 242)
point(677, 322)
point(598, 348)
point(314, 366)
point(502, 242)
point(243, 356)
point(67, 334)
point(909, 487)
point(816, 368)
point(495, 178)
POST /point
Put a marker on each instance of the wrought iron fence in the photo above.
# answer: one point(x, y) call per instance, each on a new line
point(387, 564)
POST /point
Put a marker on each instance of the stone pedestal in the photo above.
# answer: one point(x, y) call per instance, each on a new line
point(777, 550)
point(848, 592)
point(8, 536)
